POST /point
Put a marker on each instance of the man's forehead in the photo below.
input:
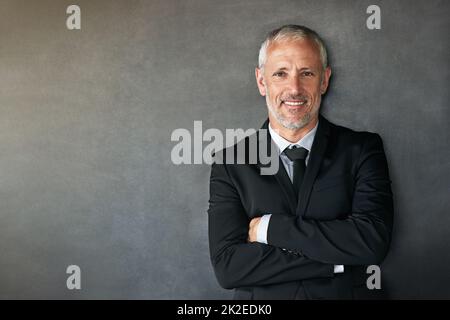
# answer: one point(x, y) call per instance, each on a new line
point(298, 49)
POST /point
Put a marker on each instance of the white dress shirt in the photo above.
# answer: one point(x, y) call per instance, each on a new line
point(305, 142)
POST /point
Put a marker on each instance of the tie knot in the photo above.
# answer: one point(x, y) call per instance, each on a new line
point(296, 153)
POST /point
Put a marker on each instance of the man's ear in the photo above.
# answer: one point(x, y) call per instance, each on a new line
point(325, 80)
point(260, 81)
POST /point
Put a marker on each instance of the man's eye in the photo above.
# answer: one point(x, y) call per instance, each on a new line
point(279, 74)
point(308, 74)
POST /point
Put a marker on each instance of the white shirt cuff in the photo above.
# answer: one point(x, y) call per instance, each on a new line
point(261, 233)
point(338, 268)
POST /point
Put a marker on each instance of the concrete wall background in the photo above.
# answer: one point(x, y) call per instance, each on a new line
point(86, 118)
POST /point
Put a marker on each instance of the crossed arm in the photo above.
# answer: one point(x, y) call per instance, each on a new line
point(239, 263)
point(360, 239)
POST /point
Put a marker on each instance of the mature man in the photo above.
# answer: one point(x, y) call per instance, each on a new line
point(310, 230)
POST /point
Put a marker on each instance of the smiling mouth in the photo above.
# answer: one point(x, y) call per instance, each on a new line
point(295, 103)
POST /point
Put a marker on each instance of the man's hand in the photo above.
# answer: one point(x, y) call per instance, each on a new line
point(253, 229)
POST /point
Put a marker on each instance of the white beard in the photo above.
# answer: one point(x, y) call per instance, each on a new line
point(291, 125)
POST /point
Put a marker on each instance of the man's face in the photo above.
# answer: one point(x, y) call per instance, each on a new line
point(293, 81)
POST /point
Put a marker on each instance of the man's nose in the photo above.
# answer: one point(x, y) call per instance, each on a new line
point(295, 84)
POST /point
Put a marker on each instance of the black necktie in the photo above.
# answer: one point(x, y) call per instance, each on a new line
point(298, 156)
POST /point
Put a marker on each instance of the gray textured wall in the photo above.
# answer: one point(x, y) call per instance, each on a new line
point(86, 118)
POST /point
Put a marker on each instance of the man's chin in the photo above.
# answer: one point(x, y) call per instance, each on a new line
point(295, 124)
point(290, 121)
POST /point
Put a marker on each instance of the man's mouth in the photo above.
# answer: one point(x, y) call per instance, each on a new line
point(295, 103)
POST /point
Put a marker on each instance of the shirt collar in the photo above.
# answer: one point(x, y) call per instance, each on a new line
point(305, 142)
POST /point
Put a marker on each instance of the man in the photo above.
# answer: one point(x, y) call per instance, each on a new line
point(310, 230)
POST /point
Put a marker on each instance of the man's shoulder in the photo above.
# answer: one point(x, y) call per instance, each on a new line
point(343, 137)
point(242, 151)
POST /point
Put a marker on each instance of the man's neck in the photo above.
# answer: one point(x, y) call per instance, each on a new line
point(292, 135)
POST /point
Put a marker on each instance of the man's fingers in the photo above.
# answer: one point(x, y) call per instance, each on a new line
point(254, 221)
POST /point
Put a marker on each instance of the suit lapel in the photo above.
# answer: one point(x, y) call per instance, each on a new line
point(281, 176)
point(286, 184)
point(315, 160)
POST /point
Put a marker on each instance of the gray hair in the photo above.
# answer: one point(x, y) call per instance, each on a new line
point(292, 32)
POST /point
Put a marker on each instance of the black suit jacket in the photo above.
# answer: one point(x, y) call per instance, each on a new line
point(343, 217)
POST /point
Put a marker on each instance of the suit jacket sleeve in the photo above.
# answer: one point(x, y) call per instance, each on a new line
point(238, 263)
point(360, 239)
